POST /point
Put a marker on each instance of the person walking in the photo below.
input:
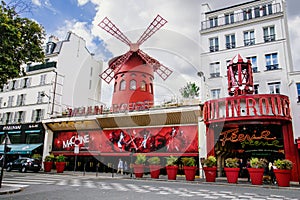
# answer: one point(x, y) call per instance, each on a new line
point(120, 166)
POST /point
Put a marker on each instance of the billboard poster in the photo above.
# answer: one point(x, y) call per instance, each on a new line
point(176, 139)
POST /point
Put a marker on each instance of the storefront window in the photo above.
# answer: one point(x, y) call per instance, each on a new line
point(15, 138)
point(34, 138)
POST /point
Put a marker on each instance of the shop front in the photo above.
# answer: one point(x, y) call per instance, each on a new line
point(246, 126)
point(23, 139)
point(124, 135)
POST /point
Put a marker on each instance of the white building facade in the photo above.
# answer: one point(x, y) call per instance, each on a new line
point(257, 30)
point(68, 78)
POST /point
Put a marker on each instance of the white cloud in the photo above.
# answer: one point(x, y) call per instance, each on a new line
point(37, 2)
point(82, 2)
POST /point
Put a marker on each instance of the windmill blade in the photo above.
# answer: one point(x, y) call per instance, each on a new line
point(155, 25)
point(163, 71)
point(111, 28)
point(114, 67)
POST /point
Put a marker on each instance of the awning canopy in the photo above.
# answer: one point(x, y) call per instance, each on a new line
point(182, 117)
point(20, 148)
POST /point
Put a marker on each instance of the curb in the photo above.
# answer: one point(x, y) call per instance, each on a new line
point(9, 189)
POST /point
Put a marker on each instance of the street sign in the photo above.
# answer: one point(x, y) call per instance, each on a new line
point(77, 141)
point(76, 149)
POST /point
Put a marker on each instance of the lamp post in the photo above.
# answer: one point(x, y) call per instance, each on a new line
point(6, 149)
point(201, 125)
point(43, 94)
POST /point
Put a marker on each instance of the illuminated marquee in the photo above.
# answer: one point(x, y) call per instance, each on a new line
point(269, 106)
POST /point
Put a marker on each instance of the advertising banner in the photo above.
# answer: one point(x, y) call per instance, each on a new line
point(177, 139)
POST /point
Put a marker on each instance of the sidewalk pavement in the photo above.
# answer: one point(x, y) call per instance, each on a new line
point(10, 188)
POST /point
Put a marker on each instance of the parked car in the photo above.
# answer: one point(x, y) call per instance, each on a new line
point(24, 164)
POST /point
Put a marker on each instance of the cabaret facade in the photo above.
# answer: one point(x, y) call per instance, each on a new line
point(246, 125)
point(105, 137)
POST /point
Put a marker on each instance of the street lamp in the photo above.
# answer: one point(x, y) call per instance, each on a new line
point(43, 94)
point(6, 149)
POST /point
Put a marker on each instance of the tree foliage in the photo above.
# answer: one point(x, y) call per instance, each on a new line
point(191, 90)
point(21, 42)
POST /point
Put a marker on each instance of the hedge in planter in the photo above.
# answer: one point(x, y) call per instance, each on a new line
point(139, 165)
point(154, 165)
point(189, 168)
point(172, 167)
point(257, 169)
point(282, 170)
point(232, 170)
point(210, 168)
point(60, 163)
point(48, 162)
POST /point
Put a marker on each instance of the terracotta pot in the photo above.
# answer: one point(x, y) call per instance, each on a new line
point(283, 177)
point(172, 172)
point(47, 166)
point(232, 174)
point(138, 170)
point(60, 167)
point(210, 174)
point(190, 172)
point(256, 175)
point(154, 171)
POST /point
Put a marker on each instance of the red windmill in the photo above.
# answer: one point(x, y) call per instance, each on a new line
point(133, 71)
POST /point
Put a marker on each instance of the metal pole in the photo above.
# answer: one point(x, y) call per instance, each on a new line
point(4, 160)
point(54, 93)
point(75, 164)
point(131, 160)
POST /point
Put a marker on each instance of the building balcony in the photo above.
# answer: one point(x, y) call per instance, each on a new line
point(41, 66)
point(243, 16)
point(269, 38)
point(249, 42)
point(214, 75)
point(230, 45)
point(272, 67)
point(213, 48)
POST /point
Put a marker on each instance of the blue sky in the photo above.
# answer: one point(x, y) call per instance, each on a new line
point(132, 17)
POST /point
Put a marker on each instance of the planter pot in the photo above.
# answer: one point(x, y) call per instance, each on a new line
point(154, 171)
point(232, 174)
point(47, 166)
point(138, 170)
point(283, 177)
point(172, 172)
point(60, 167)
point(210, 174)
point(256, 175)
point(189, 172)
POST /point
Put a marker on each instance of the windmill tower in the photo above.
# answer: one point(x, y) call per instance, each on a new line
point(240, 77)
point(133, 71)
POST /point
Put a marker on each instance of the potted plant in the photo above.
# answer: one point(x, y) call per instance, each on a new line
point(60, 163)
point(257, 169)
point(154, 165)
point(189, 167)
point(210, 168)
point(232, 170)
point(139, 164)
point(282, 172)
point(48, 162)
point(172, 167)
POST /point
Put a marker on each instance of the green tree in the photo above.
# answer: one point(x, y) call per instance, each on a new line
point(21, 42)
point(191, 90)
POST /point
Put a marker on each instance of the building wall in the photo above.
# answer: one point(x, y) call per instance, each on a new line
point(80, 70)
point(70, 79)
point(263, 76)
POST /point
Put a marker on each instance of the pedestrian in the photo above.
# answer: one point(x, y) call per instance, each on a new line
point(125, 167)
point(120, 166)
